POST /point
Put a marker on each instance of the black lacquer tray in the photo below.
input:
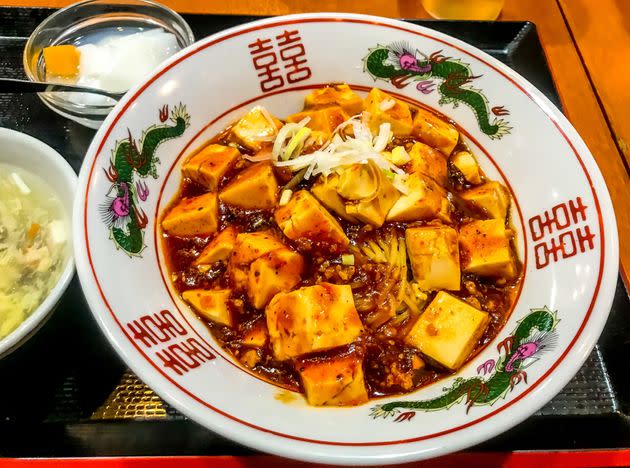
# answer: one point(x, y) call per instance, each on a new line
point(66, 392)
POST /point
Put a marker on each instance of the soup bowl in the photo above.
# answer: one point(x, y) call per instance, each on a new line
point(36, 157)
point(562, 217)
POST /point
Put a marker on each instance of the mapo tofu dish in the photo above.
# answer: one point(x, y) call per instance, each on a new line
point(352, 250)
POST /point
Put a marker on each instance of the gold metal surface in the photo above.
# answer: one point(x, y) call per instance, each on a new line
point(131, 399)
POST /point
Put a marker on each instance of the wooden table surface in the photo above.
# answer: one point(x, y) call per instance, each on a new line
point(587, 44)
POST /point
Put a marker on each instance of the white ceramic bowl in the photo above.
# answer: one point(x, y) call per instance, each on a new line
point(36, 157)
point(519, 137)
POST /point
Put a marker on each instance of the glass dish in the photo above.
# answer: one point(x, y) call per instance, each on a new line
point(73, 24)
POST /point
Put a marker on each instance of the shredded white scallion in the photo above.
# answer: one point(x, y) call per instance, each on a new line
point(285, 197)
point(343, 125)
point(387, 104)
point(384, 136)
point(258, 157)
point(341, 150)
point(268, 116)
point(296, 142)
point(287, 132)
point(19, 182)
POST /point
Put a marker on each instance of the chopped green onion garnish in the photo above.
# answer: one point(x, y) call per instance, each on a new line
point(297, 140)
point(347, 259)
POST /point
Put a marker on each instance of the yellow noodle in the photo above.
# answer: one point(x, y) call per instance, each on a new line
point(411, 304)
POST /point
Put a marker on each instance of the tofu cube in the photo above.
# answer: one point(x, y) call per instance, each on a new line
point(254, 129)
point(254, 188)
point(333, 381)
point(325, 190)
point(305, 218)
point(398, 115)
point(219, 248)
point(256, 334)
point(339, 95)
point(322, 120)
point(468, 166)
point(485, 249)
point(428, 161)
point(208, 166)
point(434, 255)
point(210, 304)
point(425, 200)
point(448, 330)
point(491, 198)
point(371, 210)
point(434, 131)
point(251, 245)
point(247, 248)
point(374, 211)
point(276, 271)
point(312, 318)
point(197, 216)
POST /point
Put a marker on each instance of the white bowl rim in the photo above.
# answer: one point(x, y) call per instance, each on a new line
point(315, 451)
point(27, 328)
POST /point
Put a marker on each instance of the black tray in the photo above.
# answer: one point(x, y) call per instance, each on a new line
point(66, 392)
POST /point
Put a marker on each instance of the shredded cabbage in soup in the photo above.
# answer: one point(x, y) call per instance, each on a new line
point(33, 244)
